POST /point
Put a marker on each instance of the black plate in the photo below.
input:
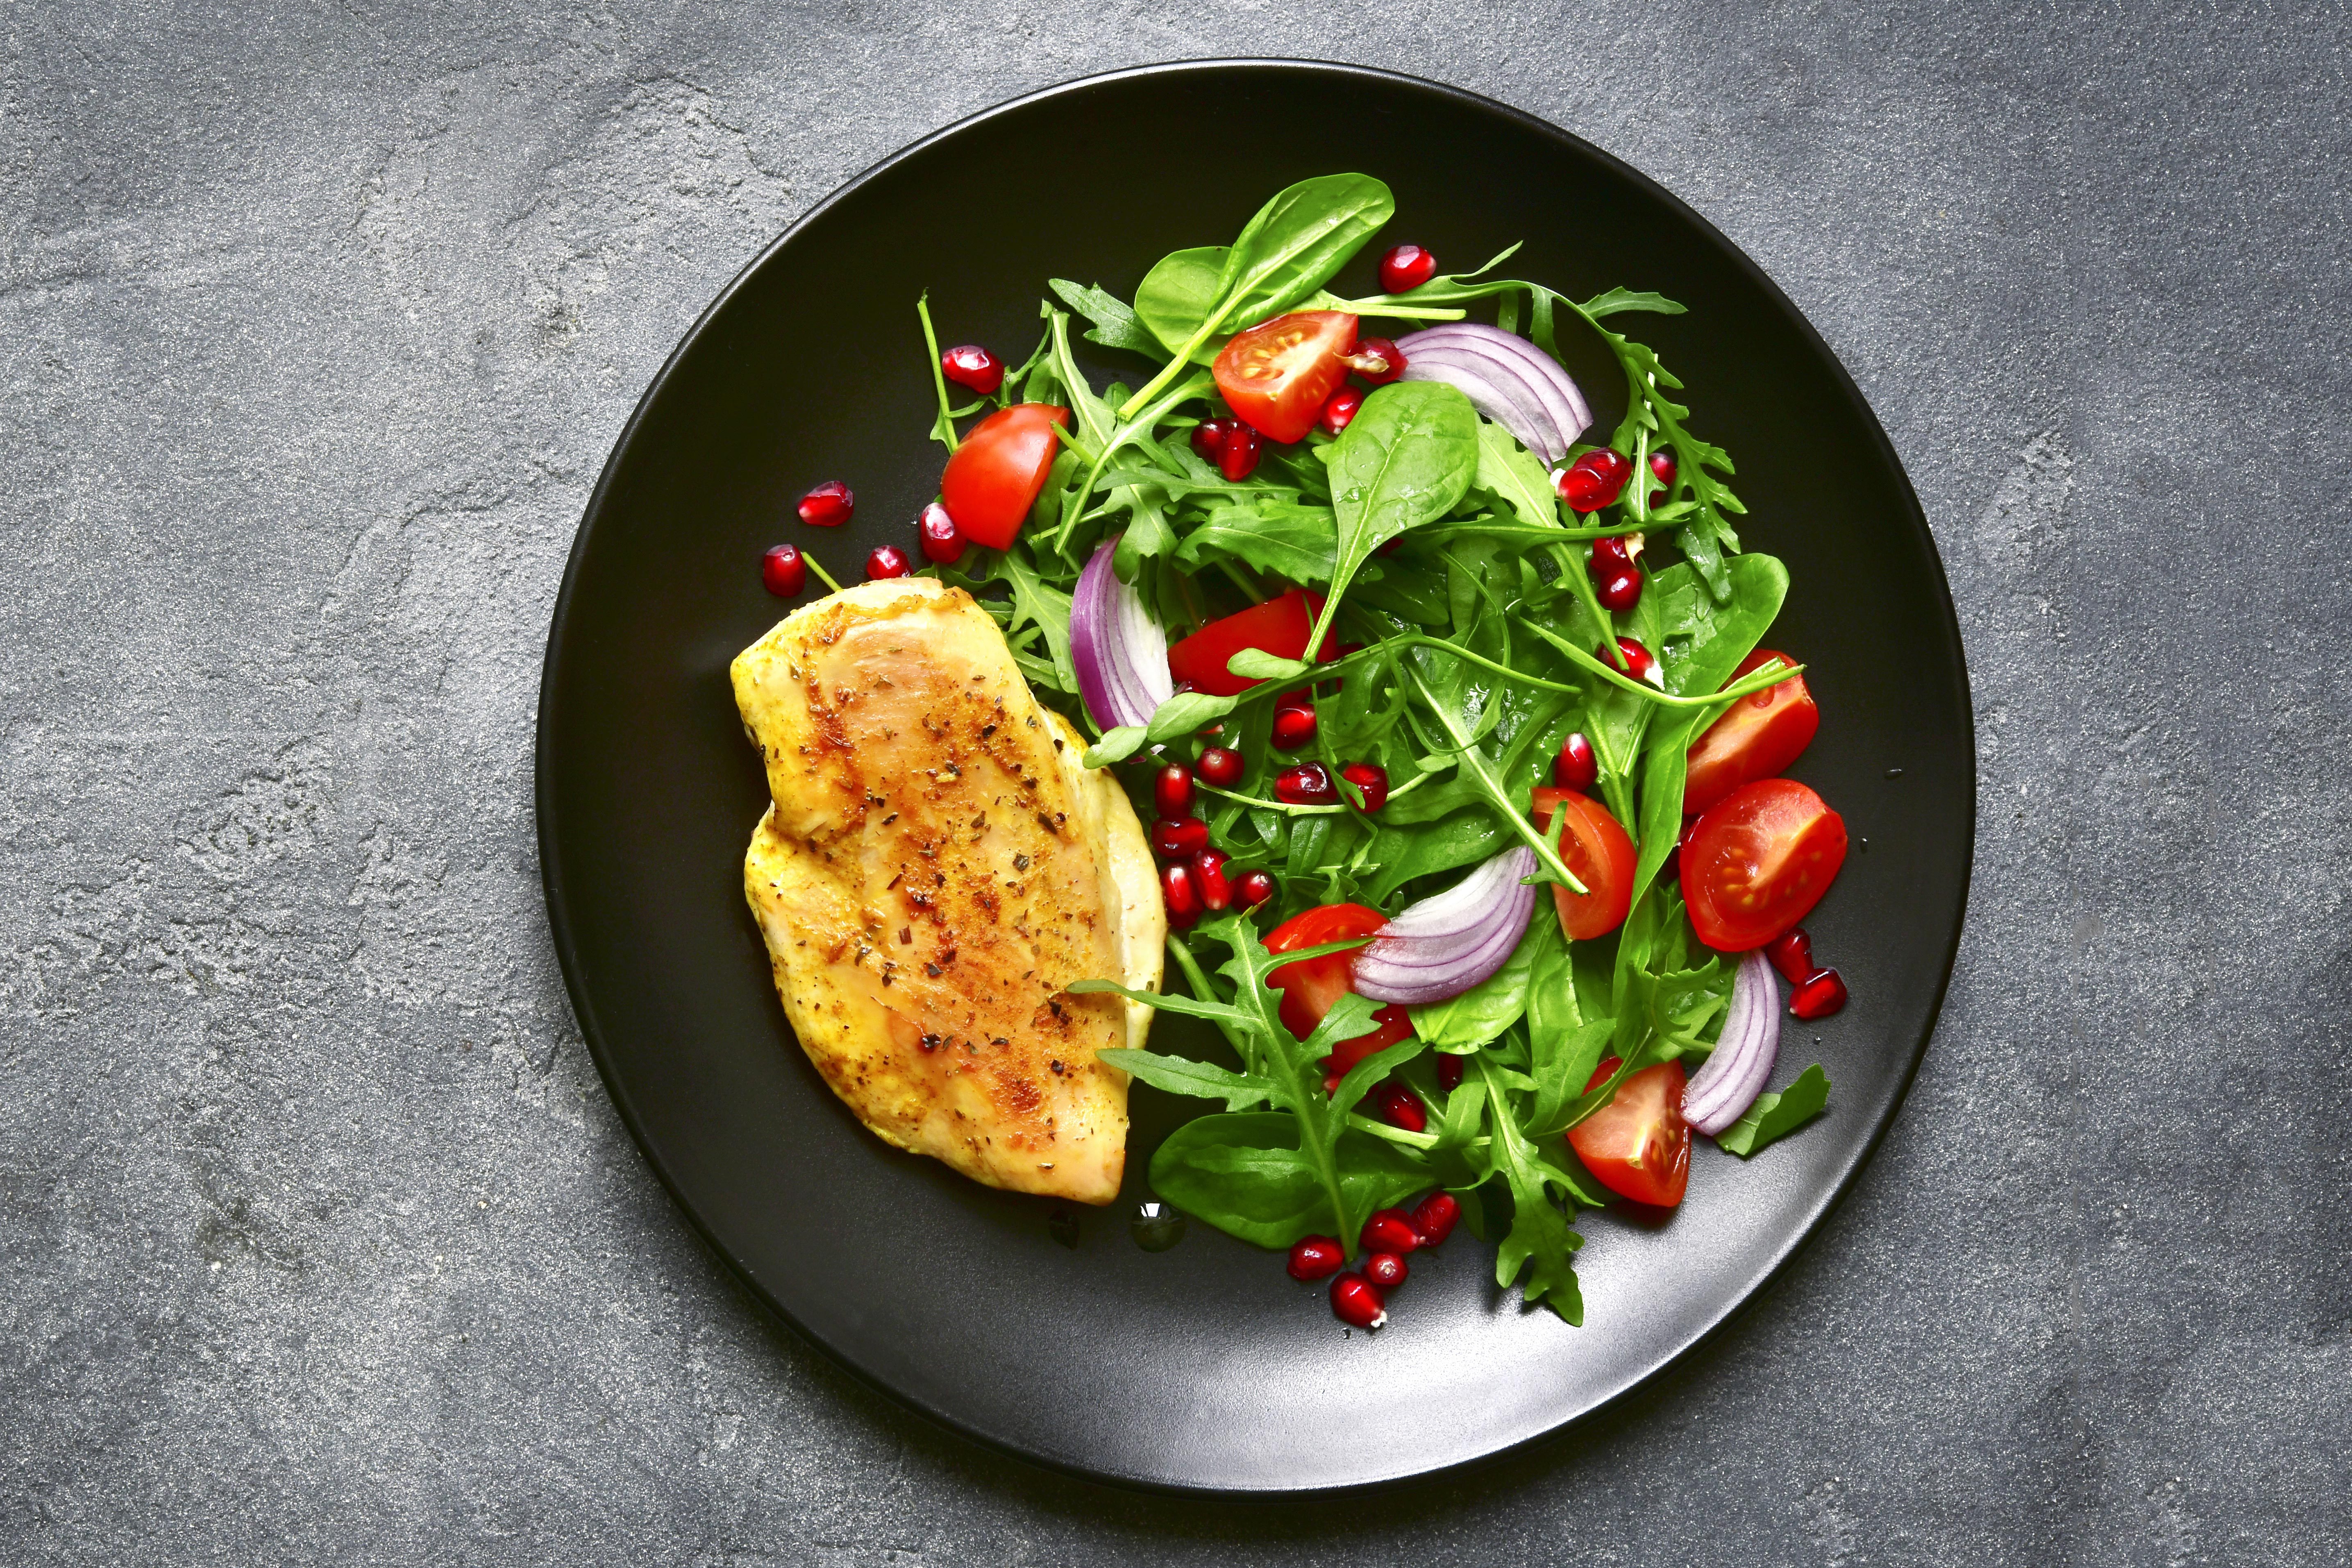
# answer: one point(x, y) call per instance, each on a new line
point(1203, 1367)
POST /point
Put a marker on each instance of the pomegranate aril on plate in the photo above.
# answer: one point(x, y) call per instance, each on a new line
point(1314, 1258)
point(1178, 893)
point(1294, 727)
point(1356, 1300)
point(943, 542)
point(1620, 591)
point(1372, 779)
point(886, 561)
point(1792, 953)
point(828, 506)
point(1385, 1269)
point(1172, 791)
point(1210, 882)
point(1237, 458)
point(1400, 1107)
point(1339, 408)
point(783, 570)
point(1435, 1217)
point(1406, 267)
point(1253, 888)
point(1576, 767)
point(1390, 1230)
point(1819, 995)
point(969, 365)
point(1307, 785)
point(1178, 838)
point(1220, 765)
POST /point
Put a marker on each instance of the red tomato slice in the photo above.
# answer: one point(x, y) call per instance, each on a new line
point(1281, 626)
point(1759, 861)
point(1638, 1144)
point(995, 474)
point(1311, 987)
point(1596, 848)
point(1277, 375)
point(1757, 739)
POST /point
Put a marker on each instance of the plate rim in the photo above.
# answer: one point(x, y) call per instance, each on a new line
point(545, 748)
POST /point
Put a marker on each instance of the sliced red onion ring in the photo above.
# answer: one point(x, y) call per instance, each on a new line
point(1120, 652)
point(1729, 1084)
point(1444, 944)
point(1506, 378)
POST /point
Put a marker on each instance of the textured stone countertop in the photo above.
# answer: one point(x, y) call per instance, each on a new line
point(319, 1239)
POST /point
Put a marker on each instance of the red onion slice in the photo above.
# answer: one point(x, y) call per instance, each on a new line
point(1444, 944)
point(1119, 651)
point(1734, 1075)
point(1506, 378)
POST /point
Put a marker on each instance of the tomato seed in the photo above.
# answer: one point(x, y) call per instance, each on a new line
point(828, 506)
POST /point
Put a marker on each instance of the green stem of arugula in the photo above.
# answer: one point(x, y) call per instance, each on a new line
point(1198, 984)
point(1118, 438)
point(822, 575)
point(1755, 680)
point(1545, 853)
point(1184, 357)
point(938, 370)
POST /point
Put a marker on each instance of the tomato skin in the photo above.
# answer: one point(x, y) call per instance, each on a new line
point(1277, 375)
point(1595, 847)
point(995, 474)
point(1757, 862)
point(1638, 1145)
point(1310, 987)
point(1757, 739)
point(1281, 626)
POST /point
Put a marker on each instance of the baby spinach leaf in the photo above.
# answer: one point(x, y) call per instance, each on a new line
point(1514, 477)
point(1408, 458)
point(1176, 295)
point(1115, 325)
point(1777, 1115)
point(1482, 1013)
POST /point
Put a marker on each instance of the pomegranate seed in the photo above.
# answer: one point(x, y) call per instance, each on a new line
point(1792, 953)
point(942, 540)
point(1638, 662)
point(1372, 779)
point(1385, 1269)
point(969, 365)
point(886, 561)
point(1209, 437)
point(783, 570)
point(1378, 360)
point(1339, 409)
point(1178, 838)
point(1581, 488)
point(1172, 791)
point(1305, 784)
point(1620, 591)
point(1390, 1231)
point(828, 506)
point(1331, 1080)
point(1822, 993)
point(1182, 899)
point(1209, 880)
point(1237, 458)
point(1612, 465)
point(1435, 1217)
point(1222, 766)
point(1610, 554)
point(1314, 1258)
point(1663, 465)
point(1400, 1107)
point(1576, 767)
point(1255, 889)
point(1294, 727)
point(1406, 267)
point(1356, 1300)
point(1449, 1073)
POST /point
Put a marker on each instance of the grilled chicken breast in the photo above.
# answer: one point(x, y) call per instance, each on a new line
point(936, 867)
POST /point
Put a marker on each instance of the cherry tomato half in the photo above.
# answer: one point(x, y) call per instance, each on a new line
point(1277, 375)
point(1638, 1144)
point(1311, 987)
point(1281, 626)
point(1759, 861)
point(1757, 739)
point(995, 476)
point(1595, 848)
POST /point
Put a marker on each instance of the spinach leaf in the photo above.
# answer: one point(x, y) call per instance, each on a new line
point(1115, 325)
point(1294, 246)
point(1482, 1013)
point(1463, 839)
point(1245, 1173)
point(1514, 477)
point(1777, 1115)
point(1407, 457)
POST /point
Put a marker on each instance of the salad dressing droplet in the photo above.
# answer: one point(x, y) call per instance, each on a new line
point(1062, 1224)
point(1156, 1227)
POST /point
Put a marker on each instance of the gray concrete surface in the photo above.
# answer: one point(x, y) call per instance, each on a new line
point(319, 1241)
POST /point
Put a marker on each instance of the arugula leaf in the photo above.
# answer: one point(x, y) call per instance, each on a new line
point(1777, 1115)
point(1294, 246)
point(1182, 1075)
point(1036, 603)
point(1294, 539)
point(1540, 1243)
point(1115, 325)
